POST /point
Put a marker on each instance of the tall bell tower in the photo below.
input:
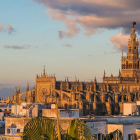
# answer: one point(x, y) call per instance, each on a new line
point(130, 64)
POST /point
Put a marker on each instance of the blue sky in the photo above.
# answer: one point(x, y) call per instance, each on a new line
point(61, 36)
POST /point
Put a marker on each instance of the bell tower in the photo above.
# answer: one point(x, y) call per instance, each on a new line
point(130, 64)
point(45, 86)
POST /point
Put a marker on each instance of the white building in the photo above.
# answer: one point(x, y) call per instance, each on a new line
point(27, 109)
point(128, 125)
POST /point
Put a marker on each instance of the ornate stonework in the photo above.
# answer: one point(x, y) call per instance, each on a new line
point(104, 98)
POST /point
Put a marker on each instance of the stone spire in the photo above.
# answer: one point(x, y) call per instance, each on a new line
point(18, 89)
point(27, 88)
point(75, 79)
point(119, 73)
point(44, 71)
point(95, 81)
point(15, 89)
point(104, 74)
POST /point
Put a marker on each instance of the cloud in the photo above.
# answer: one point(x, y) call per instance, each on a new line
point(15, 47)
point(67, 45)
point(120, 41)
point(9, 28)
point(29, 3)
point(1, 27)
point(92, 16)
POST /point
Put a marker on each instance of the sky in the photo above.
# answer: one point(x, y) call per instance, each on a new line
point(71, 38)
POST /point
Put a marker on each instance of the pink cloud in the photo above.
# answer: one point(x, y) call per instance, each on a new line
point(92, 16)
point(1, 27)
point(14, 47)
point(67, 45)
point(9, 28)
point(120, 41)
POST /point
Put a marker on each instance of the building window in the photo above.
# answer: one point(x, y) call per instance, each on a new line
point(8, 131)
point(129, 136)
point(99, 136)
point(135, 49)
point(130, 49)
point(18, 130)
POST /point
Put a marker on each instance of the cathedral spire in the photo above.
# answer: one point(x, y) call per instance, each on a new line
point(95, 81)
point(119, 73)
point(104, 74)
point(44, 71)
point(27, 88)
point(18, 89)
point(75, 79)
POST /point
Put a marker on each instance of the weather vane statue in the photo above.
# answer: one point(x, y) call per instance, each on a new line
point(134, 23)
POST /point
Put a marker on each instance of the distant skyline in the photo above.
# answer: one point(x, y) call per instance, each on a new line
point(71, 38)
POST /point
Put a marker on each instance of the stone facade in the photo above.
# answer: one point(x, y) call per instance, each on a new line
point(104, 98)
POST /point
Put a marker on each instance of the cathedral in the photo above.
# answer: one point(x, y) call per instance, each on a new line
point(92, 98)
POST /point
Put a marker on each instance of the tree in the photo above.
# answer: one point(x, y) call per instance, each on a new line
point(116, 135)
point(42, 128)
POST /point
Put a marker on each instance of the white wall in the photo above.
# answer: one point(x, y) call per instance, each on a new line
point(129, 129)
point(98, 127)
point(62, 113)
point(128, 108)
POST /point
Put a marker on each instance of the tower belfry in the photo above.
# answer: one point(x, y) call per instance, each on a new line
point(130, 63)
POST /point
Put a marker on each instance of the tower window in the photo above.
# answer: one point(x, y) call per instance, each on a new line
point(130, 49)
point(135, 49)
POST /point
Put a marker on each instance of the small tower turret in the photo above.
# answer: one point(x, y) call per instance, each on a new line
point(119, 73)
point(44, 71)
point(19, 89)
point(104, 74)
point(75, 79)
point(27, 88)
point(15, 89)
point(95, 81)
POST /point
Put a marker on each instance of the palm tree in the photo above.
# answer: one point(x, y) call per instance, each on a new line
point(42, 128)
point(39, 129)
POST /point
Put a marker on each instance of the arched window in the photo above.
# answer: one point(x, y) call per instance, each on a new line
point(130, 49)
point(135, 49)
point(126, 64)
point(66, 106)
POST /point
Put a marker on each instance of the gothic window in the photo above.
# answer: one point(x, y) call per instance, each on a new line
point(135, 49)
point(66, 106)
point(8, 130)
point(130, 49)
point(126, 64)
point(18, 130)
